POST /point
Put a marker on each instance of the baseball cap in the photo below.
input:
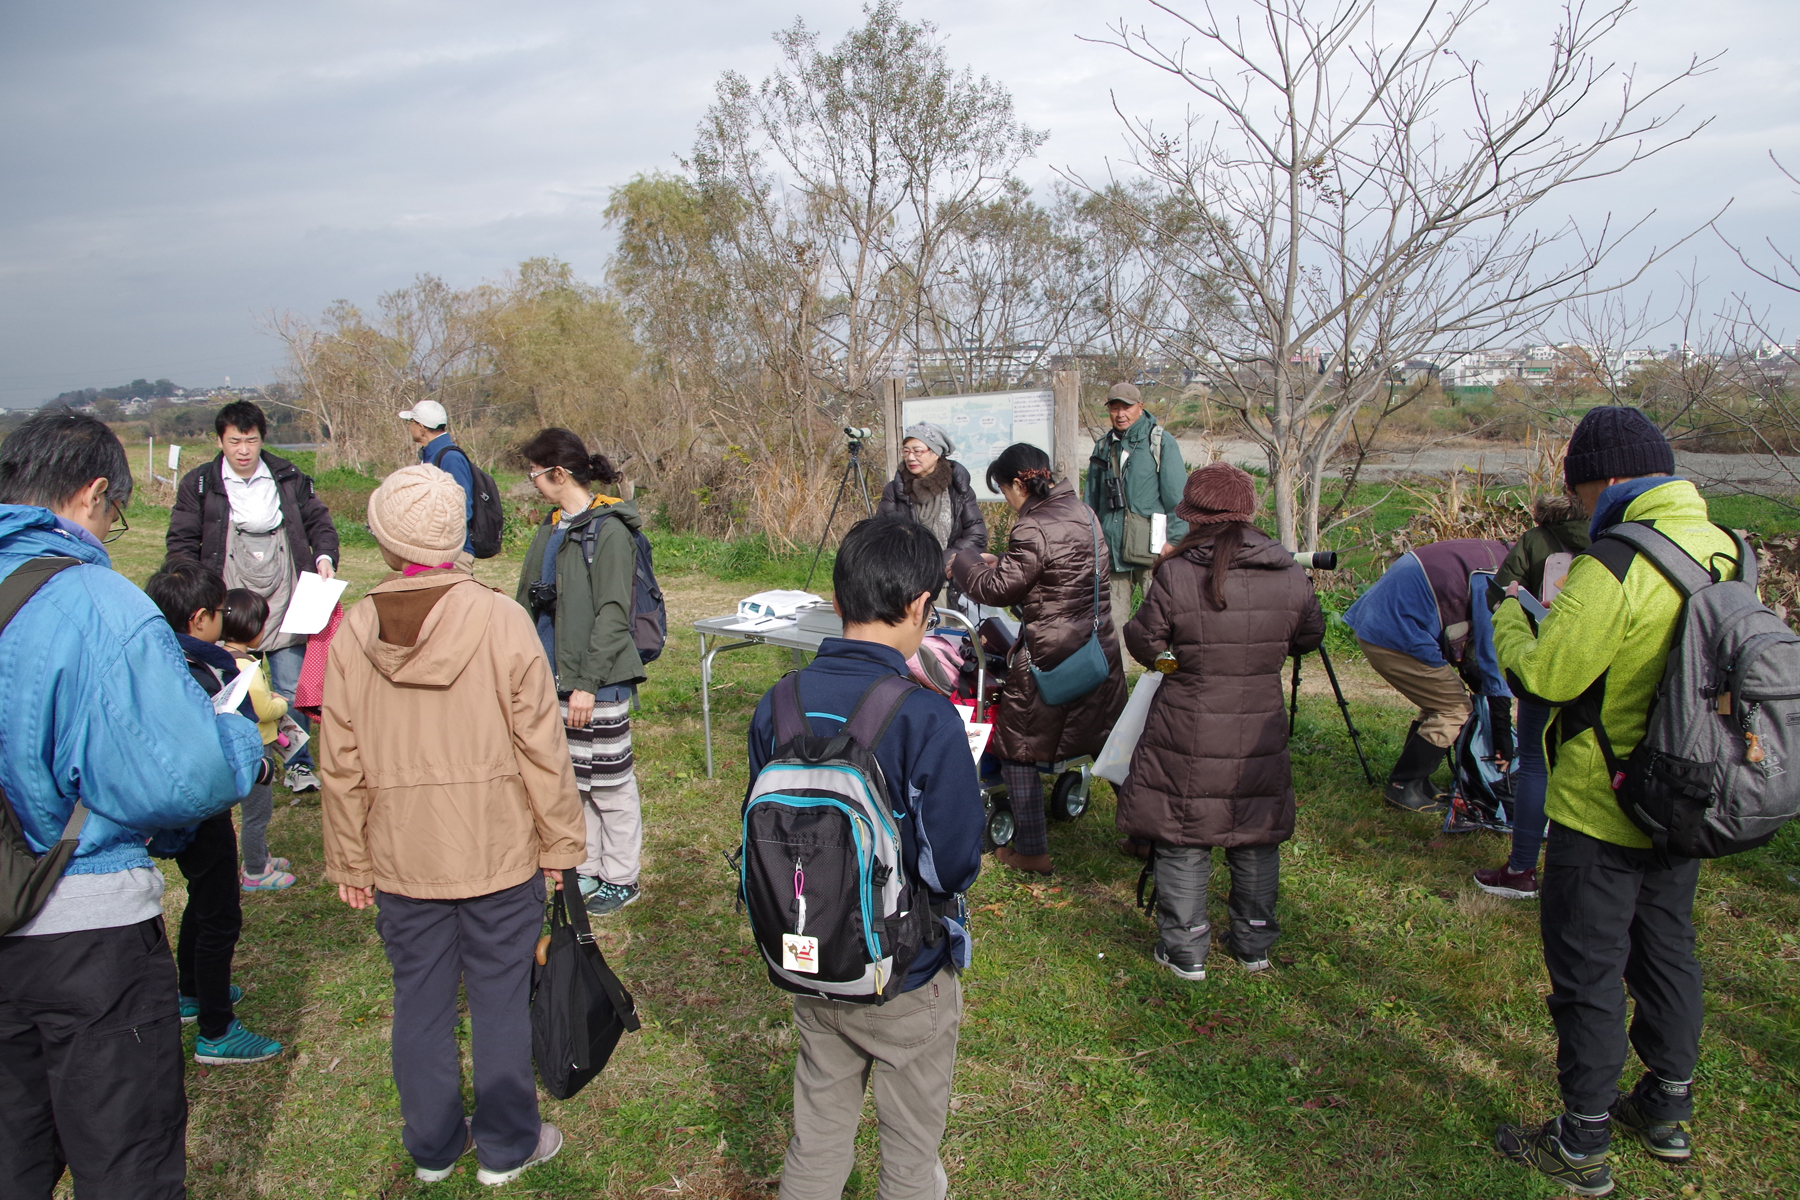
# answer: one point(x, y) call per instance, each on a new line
point(428, 413)
point(1124, 393)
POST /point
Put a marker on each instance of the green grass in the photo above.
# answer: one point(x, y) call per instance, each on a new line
point(1403, 1021)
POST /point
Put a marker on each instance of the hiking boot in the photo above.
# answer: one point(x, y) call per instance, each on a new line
point(550, 1140)
point(1666, 1139)
point(238, 1045)
point(1184, 966)
point(439, 1174)
point(609, 898)
point(1543, 1149)
point(300, 778)
point(190, 1007)
point(1415, 795)
point(1505, 882)
point(1409, 783)
point(271, 880)
point(1036, 864)
point(1138, 848)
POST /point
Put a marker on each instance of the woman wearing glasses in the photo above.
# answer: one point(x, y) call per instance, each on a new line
point(577, 583)
point(933, 489)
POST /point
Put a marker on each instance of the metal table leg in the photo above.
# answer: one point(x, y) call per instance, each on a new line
point(706, 665)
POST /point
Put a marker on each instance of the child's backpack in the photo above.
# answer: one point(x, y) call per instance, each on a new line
point(489, 521)
point(820, 870)
point(938, 663)
point(1711, 777)
point(649, 614)
point(1481, 794)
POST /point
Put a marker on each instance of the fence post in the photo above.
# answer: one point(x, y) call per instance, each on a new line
point(893, 391)
point(1071, 453)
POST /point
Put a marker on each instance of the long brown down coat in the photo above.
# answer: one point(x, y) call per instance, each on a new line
point(1212, 766)
point(1048, 571)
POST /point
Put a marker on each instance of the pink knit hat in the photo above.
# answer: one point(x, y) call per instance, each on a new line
point(1216, 493)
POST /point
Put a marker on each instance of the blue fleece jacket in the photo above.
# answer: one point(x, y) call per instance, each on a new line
point(457, 464)
point(1609, 510)
point(925, 759)
point(99, 703)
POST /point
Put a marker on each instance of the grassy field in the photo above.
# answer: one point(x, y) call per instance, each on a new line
point(1404, 1020)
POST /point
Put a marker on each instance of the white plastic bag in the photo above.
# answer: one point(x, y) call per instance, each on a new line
point(1114, 763)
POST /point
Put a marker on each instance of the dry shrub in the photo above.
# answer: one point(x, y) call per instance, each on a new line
point(791, 499)
point(1778, 573)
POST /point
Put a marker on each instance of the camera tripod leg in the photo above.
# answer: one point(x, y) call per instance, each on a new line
point(1294, 699)
point(853, 468)
point(1344, 707)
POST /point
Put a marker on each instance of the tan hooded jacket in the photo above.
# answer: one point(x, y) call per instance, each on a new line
point(445, 770)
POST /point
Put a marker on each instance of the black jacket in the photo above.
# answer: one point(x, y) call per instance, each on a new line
point(202, 513)
point(967, 528)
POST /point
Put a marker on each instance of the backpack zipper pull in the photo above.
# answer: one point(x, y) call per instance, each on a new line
point(1753, 739)
point(799, 899)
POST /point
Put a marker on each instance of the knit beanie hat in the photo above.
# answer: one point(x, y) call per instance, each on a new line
point(934, 436)
point(1615, 442)
point(417, 514)
point(1216, 493)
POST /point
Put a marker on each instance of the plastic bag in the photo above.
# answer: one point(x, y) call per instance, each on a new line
point(1114, 762)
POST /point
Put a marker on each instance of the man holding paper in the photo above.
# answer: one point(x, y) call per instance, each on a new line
point(253, 518)
point(1134, 481)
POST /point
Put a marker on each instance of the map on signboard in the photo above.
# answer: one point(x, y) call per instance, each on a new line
point(984, 424)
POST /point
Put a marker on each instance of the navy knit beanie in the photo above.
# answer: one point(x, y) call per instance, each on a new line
point(1616, 443)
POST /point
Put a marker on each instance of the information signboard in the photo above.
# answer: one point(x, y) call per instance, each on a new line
point(985, 423)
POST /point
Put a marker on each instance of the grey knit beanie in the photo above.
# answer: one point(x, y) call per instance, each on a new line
point(935, 436)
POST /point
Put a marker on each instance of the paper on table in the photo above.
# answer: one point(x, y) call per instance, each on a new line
point(310, 606)
point(233, 693)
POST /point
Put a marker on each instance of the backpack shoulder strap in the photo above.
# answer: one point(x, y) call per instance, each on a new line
point(789, 713)
point(24, 582)
point(437, 459)
point(1675, 564)
point(879, 705)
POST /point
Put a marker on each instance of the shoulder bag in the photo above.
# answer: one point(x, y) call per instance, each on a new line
point(1087, 668)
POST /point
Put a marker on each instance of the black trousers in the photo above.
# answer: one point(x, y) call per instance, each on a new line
point(211, 922)
point(1614, 917)
point(90, 1066)
point(488, 944)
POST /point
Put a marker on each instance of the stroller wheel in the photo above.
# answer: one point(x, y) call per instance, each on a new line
point(1069, 798)
point(1000, 825)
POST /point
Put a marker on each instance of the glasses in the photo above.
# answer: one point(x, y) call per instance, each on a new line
point(916, 453)
point(933, 620)
point(531, 476)
point(124, 526)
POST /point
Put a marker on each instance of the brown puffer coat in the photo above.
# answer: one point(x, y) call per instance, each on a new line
point(1048, 570)
point(1212, 766)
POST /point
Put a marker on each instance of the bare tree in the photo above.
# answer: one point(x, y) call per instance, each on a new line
point(1350, 228)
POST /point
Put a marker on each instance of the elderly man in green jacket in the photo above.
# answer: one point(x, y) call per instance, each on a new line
point(1614, 913)
point(1134, 473)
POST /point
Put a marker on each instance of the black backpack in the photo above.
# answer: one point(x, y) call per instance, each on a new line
point(579, 1009)
point(26, 879)
point(489, 521)
point(649, 613)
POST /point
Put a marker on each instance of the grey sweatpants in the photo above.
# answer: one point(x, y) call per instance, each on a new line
point(1182, 876)
point(487, 944)
point(907, 1048)
point(253, 834)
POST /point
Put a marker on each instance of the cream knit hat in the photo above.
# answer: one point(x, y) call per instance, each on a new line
point(417, 514)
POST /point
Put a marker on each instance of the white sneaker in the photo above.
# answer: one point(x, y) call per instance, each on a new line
point(427, 1175)
point(550, 1140)
point(300, 778)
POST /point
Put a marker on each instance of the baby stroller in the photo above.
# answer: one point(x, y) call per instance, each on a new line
point(971, 670)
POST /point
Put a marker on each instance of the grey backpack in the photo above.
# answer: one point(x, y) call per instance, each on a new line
point(1711, 777)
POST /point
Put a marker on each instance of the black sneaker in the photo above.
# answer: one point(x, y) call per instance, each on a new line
point(609, 898)
point(1583, 1174)
point(1665, 1139)
point(1184, 967)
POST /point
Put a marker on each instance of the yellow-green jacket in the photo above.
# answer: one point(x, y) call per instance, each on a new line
point(1620, 628)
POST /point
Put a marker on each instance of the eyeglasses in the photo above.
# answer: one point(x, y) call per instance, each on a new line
point(933, 620)
point(916, 453)
point(531, 476)
point(124, 526)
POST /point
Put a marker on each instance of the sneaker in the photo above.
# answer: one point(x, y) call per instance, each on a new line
point(1583, 1174)
point(190, 1007)
point(609, 898)
point(550, 1140)
point(1506, 882)
point(1185, 968)
point(279, 864)
point(439, 1174)
point(238, 1045)
point(589, 885)
point(300, 778)
point(1665, 1139)
point(271, 880)
point(1252, 965)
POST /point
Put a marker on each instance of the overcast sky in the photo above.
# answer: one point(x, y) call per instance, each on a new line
point(176, 169)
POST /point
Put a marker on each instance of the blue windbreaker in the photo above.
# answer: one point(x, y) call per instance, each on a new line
point(99, 704)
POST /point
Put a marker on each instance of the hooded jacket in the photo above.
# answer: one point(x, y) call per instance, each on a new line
point(1147, 490)
point(1612, 624)
point(594, 646)
point(1211, 768)
point(100, 705)
point(967, 526)
point(1048, 571)
point(445, 770)
point(202, 514)
point(1557, 528)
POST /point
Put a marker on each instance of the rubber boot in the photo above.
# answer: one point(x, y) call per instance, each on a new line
point(1409, 784)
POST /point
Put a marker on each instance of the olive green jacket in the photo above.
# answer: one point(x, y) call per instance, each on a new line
point(1147, 490)
point(1621, 629)
point(1533, 549)
point(594, 648)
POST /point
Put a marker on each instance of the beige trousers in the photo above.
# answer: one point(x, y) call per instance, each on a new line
point(906, 1048)
point(1438, 691)
point(1119, 587)
point(615, 831)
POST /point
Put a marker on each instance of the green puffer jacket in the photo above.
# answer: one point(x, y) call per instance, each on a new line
point(593, 603)
point(1622, 629)
point(1146, 490)
point(1558, 528)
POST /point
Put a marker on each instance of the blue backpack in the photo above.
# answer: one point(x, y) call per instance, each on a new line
point(649, 613)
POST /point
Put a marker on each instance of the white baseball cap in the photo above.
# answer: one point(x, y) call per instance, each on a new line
point(428, 413)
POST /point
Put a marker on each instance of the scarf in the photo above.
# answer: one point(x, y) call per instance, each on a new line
point(930, 495)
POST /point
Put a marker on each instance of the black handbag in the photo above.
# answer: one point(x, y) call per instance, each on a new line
point(579, 1009)
point(1087, 668)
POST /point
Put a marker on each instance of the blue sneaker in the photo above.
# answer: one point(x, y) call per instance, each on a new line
point(190, 1007)
point(238, 1045)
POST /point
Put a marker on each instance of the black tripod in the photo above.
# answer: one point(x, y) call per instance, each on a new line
point(1343, 707)
point(852, 469)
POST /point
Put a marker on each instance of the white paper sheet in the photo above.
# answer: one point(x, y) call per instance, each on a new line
point(233, 693)
point(296, 739)
point(310, 606)
point(1556, 570)
point(978, 737)
point(1159, 532)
